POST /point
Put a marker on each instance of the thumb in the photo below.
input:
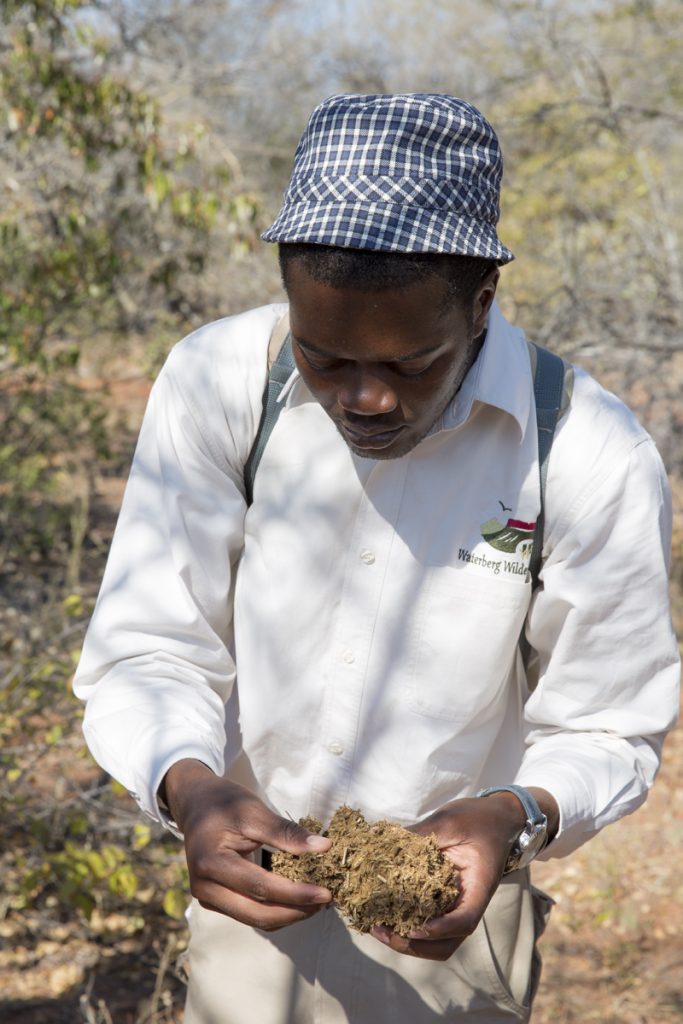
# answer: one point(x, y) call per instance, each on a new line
point(285, 834)
point(295, 838)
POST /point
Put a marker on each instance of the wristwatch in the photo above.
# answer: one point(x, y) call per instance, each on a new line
point(533, 837)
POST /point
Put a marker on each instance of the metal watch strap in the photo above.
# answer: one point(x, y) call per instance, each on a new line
point(533, 837)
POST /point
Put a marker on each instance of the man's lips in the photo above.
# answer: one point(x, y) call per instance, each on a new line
point(365, 438)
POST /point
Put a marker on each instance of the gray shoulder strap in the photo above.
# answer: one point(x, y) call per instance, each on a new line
point(553, 384)
point(281, 366)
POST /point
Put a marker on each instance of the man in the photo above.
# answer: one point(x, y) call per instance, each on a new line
point(353, 635)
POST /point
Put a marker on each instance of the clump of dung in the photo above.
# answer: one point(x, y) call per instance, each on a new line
point(377, 874)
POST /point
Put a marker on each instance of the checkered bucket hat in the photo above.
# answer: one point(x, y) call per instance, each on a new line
point(410, 173)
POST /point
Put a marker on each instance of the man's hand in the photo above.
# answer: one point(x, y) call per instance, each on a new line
point(477, 835)
point(223, 823)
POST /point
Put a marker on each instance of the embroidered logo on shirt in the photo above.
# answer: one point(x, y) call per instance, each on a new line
point(514, 537)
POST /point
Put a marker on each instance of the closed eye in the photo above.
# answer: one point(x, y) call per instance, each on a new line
point(412, 370)
point(319, 363)
point(401, 367)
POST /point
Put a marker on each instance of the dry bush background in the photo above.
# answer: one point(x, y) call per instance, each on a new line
point(143, 148)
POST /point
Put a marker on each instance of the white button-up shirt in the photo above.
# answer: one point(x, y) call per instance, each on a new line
point(352, 637)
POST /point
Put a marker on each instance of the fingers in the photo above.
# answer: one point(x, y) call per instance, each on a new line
point(438, 938)
point(462, 920)
point(235, 874)
point(234, 814)
point(282, 833)
point(223, 824)
point(253, 821)
point(422, 949)
point(264, 915)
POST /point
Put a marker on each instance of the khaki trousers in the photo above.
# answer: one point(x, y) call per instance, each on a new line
point(320, 972)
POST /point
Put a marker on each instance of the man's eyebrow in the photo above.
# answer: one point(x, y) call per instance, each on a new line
point(399, 359)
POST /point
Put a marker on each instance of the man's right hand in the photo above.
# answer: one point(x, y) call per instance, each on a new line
point(223, 823)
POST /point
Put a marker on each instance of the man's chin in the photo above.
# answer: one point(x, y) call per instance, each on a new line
point(402, 445)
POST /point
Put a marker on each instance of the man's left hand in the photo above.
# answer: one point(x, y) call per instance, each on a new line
point(477, 834)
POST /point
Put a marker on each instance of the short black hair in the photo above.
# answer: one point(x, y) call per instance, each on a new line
point(368, 270)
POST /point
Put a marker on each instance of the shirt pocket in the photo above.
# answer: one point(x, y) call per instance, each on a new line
point(467, 631)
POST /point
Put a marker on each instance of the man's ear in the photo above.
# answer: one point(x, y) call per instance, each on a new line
point(483, 300)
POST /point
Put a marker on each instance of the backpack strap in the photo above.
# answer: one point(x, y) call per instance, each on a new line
point(553, 385)
point(280, 368)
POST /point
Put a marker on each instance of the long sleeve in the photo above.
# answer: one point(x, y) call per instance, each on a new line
point(158, 662)
point(608, 666)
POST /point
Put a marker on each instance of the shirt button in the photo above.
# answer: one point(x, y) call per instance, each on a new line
point(349, 657)
point(335, 747)
point(367, 557)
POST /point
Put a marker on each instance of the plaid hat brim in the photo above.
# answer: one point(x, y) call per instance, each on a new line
point(414, 173)
point(387, 227)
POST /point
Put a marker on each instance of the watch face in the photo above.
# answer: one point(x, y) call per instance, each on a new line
point(535, 835)
point(530, 843)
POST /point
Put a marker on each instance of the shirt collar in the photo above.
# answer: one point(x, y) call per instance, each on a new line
point(498, 377)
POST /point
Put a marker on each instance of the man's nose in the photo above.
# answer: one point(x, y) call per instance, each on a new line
point(366, 393)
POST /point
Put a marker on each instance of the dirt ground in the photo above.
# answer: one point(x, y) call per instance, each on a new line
point(613, 951)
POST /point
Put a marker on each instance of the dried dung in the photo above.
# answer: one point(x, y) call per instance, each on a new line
point(377, 874)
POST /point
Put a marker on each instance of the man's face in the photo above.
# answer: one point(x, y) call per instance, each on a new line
point(383, 364)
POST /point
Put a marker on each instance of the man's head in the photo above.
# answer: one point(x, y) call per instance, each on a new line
point(389, 255)
point(384, 341)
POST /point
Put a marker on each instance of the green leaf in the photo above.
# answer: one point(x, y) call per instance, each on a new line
point(78, 824)
point(54, 735)
point(73, 605)
point(96, 863)
point(142, 835)
point(84, 901)
point(124, 882)
point(175, 903)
